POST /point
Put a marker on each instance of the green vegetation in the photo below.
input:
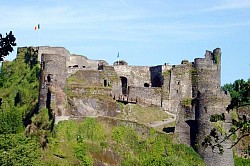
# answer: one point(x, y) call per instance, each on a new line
point(141, 114)
point(186, 103)
point(6, 45)
point(91, 140)
point(18, 92)
point(239, 161)
point(17, 149)
point(194, 76)
point(217, 117)
point(239, 92)
point(216, 58)
point(166, 73)
point(19, 97)
point(161, 127)
point(77, 87)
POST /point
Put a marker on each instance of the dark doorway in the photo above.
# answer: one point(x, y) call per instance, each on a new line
point(48, 101)
point(156, 82)
point(193, 131)
point(124, 81)
point(105, 83)
point(49, 78)
point(156, 76)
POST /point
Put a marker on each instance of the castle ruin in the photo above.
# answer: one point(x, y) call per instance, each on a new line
point(191, 90)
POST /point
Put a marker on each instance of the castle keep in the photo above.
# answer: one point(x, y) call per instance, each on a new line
point(73, 86)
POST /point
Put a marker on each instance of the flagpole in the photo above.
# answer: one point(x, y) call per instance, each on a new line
point(39, 29)
point(118, 58)
point(39, 37)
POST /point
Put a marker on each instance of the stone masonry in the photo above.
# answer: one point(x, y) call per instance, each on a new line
point(191, 90)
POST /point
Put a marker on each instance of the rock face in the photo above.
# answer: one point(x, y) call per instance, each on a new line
point(73, 85)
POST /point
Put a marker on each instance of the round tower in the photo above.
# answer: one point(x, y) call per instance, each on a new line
point(53, 72)
point(208, 71)
point(210, 100)
point(54, 69)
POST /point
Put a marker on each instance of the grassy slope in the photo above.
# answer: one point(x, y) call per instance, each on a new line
point(239, 161)
point(141, 114)
point(91, 141)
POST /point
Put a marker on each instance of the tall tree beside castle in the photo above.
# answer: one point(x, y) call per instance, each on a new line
point(6, 45)
point(239, 91)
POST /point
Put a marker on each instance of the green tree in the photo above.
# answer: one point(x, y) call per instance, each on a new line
point(6, 44)
point(240, 126)
point(218, 136)
point(239, 92)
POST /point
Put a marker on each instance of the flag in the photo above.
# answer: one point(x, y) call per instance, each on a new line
point(118, 55)
point(37, 27)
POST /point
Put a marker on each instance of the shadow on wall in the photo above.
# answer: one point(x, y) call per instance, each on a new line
point(193, 131)
point(156, 76)
point(168, 129)
point(124, 82)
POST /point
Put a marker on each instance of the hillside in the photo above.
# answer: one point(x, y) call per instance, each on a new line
point(30, 137)
point(108, 141)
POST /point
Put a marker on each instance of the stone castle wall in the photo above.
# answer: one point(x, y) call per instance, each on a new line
point(52, 50)
point(209, 100)
point(209, 103)
point(145, 95)
point(208, 69)
point(181, 82)
point(54, 72)
point(82, 62)
point(51, 73)
point(181, 94)
point(52, 83)
point(136, 75)
point(190, 90)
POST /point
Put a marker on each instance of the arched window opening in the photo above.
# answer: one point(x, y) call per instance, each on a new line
point(146, 84)
point(49, 78)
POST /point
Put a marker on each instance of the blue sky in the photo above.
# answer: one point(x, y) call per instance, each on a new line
point(145, 32)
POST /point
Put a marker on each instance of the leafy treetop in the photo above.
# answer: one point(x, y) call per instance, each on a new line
point(6, 44)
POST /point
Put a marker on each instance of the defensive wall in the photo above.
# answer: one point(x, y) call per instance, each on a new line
point(76, 85)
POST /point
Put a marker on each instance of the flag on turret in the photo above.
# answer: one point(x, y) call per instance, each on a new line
point(37, 27)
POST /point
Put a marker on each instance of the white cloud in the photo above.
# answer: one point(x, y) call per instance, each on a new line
point(230, 4)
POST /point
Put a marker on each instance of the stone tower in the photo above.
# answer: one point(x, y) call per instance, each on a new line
point(52, 82)
point(210, 99)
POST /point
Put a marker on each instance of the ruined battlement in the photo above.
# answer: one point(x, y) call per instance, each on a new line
point(212, 59)
point(51, 50)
